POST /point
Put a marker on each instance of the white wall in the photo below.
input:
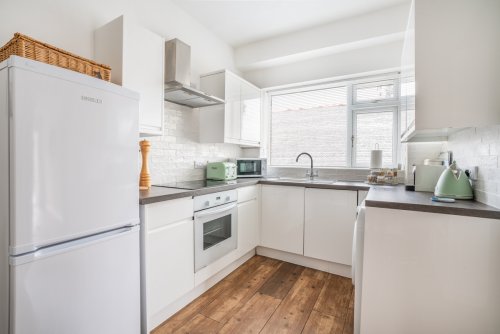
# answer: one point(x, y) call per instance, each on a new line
point(363, 43)
point(69, 24)
point(354, 32)
point(378, 57)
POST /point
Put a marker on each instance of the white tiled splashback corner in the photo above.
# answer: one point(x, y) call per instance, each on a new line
point(172, 155)
point(480, 147)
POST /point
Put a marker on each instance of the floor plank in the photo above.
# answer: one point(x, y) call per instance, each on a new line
point(351, 302)
point(229, 301)
point(269, 296)
point(349, 322)
point(335, 296)
point(200, 325)
point(323, 324)
point(252, 317)
point(293, 312)
point(282, 280)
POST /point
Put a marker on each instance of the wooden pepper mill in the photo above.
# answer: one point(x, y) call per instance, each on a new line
point(145, 179)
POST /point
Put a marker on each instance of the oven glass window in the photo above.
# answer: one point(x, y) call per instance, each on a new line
point(252, 167)
point(216, 231)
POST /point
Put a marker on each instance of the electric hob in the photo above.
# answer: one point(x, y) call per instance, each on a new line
point(200, 184)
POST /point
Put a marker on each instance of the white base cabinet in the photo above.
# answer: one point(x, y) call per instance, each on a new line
point(283, 218)
point(430, 273)
point(167, 257)
point(329, 224)
point(248, 219)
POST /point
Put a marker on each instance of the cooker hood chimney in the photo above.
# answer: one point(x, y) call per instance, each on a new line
point(178, 76)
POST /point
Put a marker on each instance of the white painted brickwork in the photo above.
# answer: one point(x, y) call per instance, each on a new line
point(173, 154)
point(480, 147)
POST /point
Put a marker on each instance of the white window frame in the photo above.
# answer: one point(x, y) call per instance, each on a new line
point(374, 110)
point(374, 83)
point(351, 107)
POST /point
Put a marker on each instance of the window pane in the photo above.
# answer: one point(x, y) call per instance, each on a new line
point(375, 91)
point(314, 122)
point(374, 128)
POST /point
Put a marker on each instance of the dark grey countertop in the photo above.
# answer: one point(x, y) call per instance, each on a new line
point(159, 194)
point(389, 197)
point(398, 198)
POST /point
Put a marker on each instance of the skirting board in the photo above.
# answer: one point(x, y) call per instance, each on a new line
point(329, 267)
point(200, 289)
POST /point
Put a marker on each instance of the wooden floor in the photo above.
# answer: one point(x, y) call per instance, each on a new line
point(269, 296)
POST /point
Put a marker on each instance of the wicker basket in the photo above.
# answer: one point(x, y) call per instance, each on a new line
point(27, 47)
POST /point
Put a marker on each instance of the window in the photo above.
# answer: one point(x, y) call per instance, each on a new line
point(374, 91)
point(338, 124)
point(312, 121)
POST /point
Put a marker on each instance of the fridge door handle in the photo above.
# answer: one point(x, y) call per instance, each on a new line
point(69, 245)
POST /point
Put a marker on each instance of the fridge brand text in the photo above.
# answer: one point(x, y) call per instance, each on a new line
point(91, 99)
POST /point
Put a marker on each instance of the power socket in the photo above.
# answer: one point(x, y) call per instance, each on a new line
point(199, 164)
point(474, 170)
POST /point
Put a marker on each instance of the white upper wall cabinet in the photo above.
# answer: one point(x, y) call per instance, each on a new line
point(238, 120)
point(450, 75)
point(137, 58)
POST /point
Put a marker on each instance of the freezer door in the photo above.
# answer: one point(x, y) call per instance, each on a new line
point(73, 158)
point(87, 287)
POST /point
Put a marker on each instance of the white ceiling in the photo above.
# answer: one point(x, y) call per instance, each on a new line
point(240, 22)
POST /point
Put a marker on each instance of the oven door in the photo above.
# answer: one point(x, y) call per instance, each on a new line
point(215, 234)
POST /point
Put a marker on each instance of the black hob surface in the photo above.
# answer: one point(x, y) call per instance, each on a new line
point(200, 184)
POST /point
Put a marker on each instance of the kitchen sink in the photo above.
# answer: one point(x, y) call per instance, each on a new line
point(306, 180)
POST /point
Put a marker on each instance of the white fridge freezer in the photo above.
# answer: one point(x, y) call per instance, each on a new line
point(69, 214)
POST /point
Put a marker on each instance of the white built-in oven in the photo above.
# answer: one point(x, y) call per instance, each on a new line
point(215, 227)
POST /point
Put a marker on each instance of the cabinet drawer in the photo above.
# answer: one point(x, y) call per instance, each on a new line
point(168, 212)
point(247, 193)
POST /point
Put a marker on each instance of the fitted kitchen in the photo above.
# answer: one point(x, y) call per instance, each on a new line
point(185, 166)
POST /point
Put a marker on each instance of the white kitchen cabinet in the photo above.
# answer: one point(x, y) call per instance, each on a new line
point(450, 55)
point(136, 56)
point(167, 257)
point(238, 120)
point(283, 218)
point(248, 219)
point(329, 224)
point(429, 273)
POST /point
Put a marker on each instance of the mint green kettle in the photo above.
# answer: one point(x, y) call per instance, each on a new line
point(453, 183)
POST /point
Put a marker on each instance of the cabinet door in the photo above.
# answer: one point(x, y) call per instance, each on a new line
point(248, 226)
point(232, 119)
point(137, 57)
point(169, 264)
point(283, 218)
point(143, 61)
point(250, 114)
point(329, 224)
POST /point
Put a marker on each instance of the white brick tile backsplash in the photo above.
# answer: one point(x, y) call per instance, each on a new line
point(173, 154)
point(480, 147)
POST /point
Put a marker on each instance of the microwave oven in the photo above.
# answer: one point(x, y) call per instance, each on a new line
point(251, 167)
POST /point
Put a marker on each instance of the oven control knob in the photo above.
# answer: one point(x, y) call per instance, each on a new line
point(207, 203)
point(228, 199)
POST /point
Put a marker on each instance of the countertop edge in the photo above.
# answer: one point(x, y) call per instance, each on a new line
point(199, 192)
point(448, 210)
point(334, 186)
point(166, 197)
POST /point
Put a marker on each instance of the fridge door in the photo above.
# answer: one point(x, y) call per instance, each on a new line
point(73, 156)
point(86, 286)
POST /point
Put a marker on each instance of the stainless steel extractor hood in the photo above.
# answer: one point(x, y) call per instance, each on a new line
point(178, 76)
